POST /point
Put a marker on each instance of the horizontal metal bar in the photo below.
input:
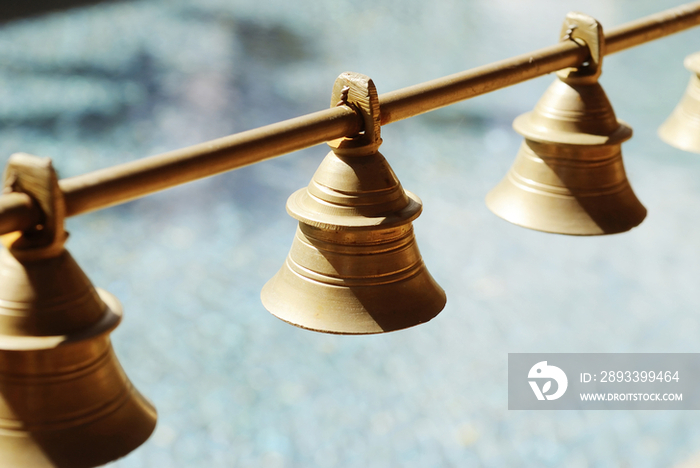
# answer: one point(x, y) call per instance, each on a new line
point(425, 97)
point(118, 184)
point(431, 95)
point(18, 212)
point(652, 27)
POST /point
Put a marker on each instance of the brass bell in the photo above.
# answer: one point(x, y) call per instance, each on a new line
point(64, 399)
point(568, 176)
point(682, 128)
point(354, 266)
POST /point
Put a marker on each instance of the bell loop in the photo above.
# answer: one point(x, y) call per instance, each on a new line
point(37, 178)
point(586, 32)
point(358, 92)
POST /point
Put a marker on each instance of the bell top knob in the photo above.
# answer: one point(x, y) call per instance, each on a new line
point(358, 92)
point(585, 31)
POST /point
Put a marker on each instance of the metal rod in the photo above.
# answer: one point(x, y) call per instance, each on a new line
point(18, 212)
point(652, 27)
point(118, 184)
point(431, 95)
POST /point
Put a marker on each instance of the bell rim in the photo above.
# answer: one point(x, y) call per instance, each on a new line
point(494, 201)
point(670, 134)
point(136, 419)
point(110, 319)
point(559, 232)
point(295, 208)
point(522, 125)
point(286, 278)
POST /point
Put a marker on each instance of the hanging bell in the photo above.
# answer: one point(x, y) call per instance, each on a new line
point(682, 129)
point(568, 176)
point(354, 266)
point(64, 399)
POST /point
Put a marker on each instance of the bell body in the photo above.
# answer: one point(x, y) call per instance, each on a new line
point(682, 128)
point(568, 176)
point(64, 399)
point(348, 283)
point(354, 266)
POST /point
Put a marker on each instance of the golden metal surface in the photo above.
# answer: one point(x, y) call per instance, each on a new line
point(18, 212)
point(652, 27)
point(682, 128)
point(124, 182)
point(354, 266)
point(119, 184)
point(64, 399)
point(568, 177)
point(425, 97)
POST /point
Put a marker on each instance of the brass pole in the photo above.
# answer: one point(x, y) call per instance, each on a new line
point(124, 182)
point(417, 99)
point(431, 95)
point(652, 27)
point(18, 212)
point(118, 184)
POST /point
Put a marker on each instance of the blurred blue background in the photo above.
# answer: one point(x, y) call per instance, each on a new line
point(98, 85)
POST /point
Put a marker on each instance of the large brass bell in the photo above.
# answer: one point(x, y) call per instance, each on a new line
point(682, 128)
point(64, 399)
point(568, 176)
point(354, 266)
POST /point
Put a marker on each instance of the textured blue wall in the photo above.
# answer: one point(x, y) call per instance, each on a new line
point(234, 386)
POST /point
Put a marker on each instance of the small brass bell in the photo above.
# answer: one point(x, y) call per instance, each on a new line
point(568, 177)
point(354, 266)
point(682, 128)
point(64, 399)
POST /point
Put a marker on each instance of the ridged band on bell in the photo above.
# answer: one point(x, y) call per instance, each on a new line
point(682, 128)
point(568, 176)
point(354, 266)
point(64, 399)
